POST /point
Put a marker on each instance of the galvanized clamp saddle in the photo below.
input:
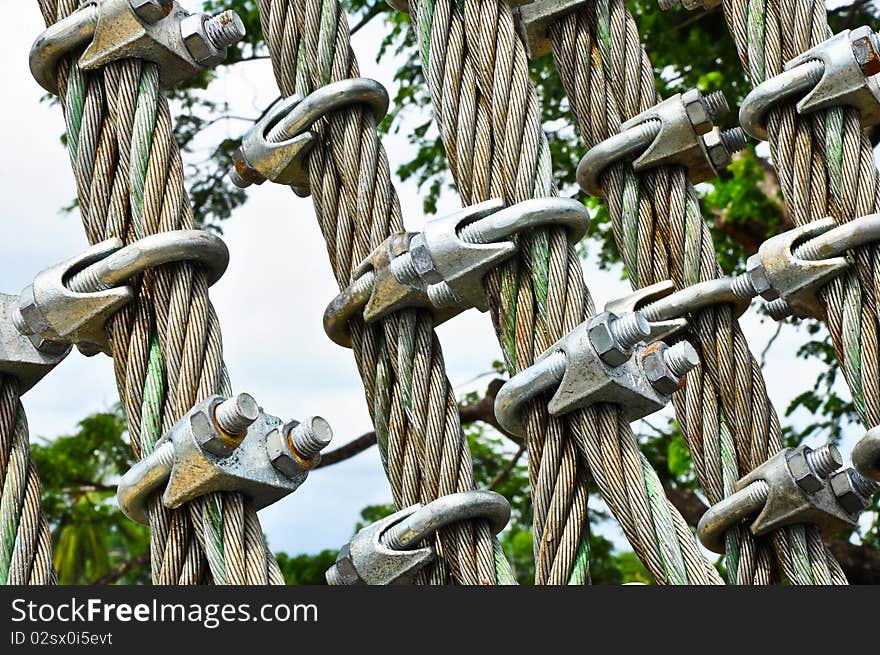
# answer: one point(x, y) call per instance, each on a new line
point(602, 361)
point(441, 269)
point(158, 31)
point(797, 485)
point(839, 71)
point(69, 303)
point(676, 132)
point(275, 148)
point(387, 552)
point(225, 445)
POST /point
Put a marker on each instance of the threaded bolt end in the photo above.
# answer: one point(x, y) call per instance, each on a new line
point(471, 233)
point(808, 250)
point(742, 286)
point(630, 329)
point(442, 295)
point(824, 460)
point(863, 485)
point(403, 268)
point(333, 578)
point(734, 139)
point(717, 104)
point(778, 309)
point(758, 491)
point(311, 436)
point(681, 358)
point(19, 322)
point(225, 29)
point(87, 280)
point(556, 364)
point(235, 415)
point(236, 178)
point(363, 284)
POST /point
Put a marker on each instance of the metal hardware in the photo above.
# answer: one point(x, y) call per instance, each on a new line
point(219, 445)
point(797, 485)
point(19, 357)
point(778, 271)
point(386, 552)
point(70, 302)
point(690, 5)
point(296, 445)
point(866, 454)
point(575, 367)
point(442, 268)
point(853, 491)
point(839, 71)
point(534, 18)
point(666, 309)
point(676, 132)
point(159, 31)
point(276, 147)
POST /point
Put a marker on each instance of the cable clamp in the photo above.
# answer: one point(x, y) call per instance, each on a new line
point(181, 44)
point(225, 445)
point(70, 302)
point(388, 551)
point(796, 485)
point(441, 269)
point(602, 361)
point(275, 148)
point(837, 72)
point(676, 132)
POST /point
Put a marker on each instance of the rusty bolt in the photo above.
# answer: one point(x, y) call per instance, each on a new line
point(152, 11)
point(866, 50)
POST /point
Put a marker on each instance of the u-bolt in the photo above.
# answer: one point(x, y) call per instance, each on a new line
point(202, 248)
point(444, 511)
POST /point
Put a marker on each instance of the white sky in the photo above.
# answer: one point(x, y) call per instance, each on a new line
point(271, 299)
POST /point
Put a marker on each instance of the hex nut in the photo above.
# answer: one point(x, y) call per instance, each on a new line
point(346, 569)
point(656, 371)
point(847, 495)
point(697, 110)
point(802, 473)
point(864, 51)
point(36, 325)
point(758, 276)
point(151, 11)
point(280, 453)
point(195, 38)
point(422, 261)
point(716, 149)
point(604, 343)
point(207, 436)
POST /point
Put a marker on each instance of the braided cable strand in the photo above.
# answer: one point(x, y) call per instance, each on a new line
point(25, 541)
point(724, 413)
point(411, 401)
point(488, 117)
point(166, 343)
point(825, 168)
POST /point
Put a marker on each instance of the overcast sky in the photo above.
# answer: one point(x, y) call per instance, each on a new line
point(271, 299)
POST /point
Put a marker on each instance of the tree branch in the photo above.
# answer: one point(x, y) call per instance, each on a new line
point(122, 569)
point(483, 410)
point(503, 473)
